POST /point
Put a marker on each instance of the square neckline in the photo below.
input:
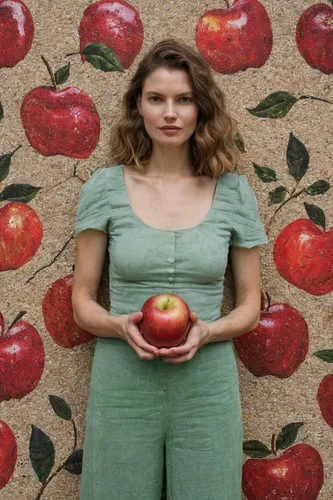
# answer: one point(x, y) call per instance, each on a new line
point(204, 220)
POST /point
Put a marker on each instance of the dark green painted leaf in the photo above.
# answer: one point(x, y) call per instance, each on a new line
point(318, 187)
point(264, 173)
point(42, 453)
point(1, 111)
point(73, 463)
point(5, 163)
point(275, 105)
point(255, 449)
point(60, 407)
point(62, 74)
point(19, 192)
point(326, 355)
point(316, 215)
point(277, 195)
point(297, 157)
point(102, 57)
point(287, 435)
point(240, 142)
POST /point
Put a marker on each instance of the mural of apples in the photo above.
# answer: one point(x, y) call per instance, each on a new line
point(22, 359)
point(237, 38)
point(303, 253)
point(325, 399)
point(63, 122)
point(16, 32)
point(58, 315)
point(297, 474)
point(278, 345)
point(8, 453)
point(314, 37)
point(116, 24)
point(21, 233)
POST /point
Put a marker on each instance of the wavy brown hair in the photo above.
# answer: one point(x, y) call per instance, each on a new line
point(212, 145)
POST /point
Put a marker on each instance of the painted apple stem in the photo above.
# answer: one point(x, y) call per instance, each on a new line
point(291, 197)
point(16, 149)
point(268, 301)
point(72, 54)
point(50, 72)
point(17, 317)
point(227, 3)
point(315, 98)
point(61, 466)
point(273, 444)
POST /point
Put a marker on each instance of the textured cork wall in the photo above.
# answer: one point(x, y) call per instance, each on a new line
point(279, 88)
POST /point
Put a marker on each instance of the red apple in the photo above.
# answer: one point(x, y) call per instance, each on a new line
point(16, 32)
point(63, 122)
point(297, 474)
point(325, 399)
point(21, 360)
point(8, 453)
point(116, 24)
point(303, 255)
point(237, 38)
point(166, 320)
point(58, 315)
point(278, 345)
point(314, 37)
point(21, 232)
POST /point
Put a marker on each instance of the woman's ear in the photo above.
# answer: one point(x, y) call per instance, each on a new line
point(138, 103)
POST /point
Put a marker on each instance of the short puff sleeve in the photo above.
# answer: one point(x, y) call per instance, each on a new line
point(247, 228)
point(94, 210)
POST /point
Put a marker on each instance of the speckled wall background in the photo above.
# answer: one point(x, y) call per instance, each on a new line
point(274, 60)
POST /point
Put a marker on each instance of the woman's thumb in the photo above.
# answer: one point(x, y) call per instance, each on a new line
point(136, 317)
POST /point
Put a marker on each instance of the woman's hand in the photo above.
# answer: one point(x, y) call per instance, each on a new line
point(197, 336)
point(131, 333)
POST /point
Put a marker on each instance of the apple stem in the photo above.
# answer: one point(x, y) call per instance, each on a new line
point(273, 444)
point(61, 466)
point(50, 72)
point(268, 301)
point(18, 316)
point(315, 98)
point(291, 197)
point(18, 147)
point(227, 3)
point(72, 54)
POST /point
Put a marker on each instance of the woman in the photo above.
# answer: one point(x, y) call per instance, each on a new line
point(169, 212)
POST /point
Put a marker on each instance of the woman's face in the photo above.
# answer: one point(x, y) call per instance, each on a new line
point(167, 100)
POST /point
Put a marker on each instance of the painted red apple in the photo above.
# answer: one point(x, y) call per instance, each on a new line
point(63, 122)
point(115, 23)
point(166, 320)
point(21, 359)
point(16, 32)
point(314, 37)
point(21, 233)
point(8, 453)
point(297, 474)
point(237, 38)
point(278, 345)
point(303, 255)
point(58, 315)
point(325, 399)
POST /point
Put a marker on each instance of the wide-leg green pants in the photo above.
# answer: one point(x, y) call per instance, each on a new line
point(136, 407)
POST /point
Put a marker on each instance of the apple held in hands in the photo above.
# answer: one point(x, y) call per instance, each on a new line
point(166, 320)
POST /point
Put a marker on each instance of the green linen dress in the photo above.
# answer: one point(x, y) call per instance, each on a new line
point(138, 407)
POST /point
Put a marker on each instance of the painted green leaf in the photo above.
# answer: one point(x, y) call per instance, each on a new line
point(297, 157)
point(102, 57)
point(62, 74)
point(325, 355)
point(5, 163)
point(264, 173)
point(1, 112)
point(277, 195)
point(287, 435)
point(240, 142)
point(73, 463)
point(318, 187)
point(19, 192)
point(275, 105)
point(316, 215)
point(60, 407)
point(255, 449)
point(42, 453)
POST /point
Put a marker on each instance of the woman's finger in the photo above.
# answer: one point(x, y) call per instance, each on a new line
point(181, 359)
point(142, 343)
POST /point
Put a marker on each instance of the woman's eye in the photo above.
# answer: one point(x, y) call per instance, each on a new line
point(188, 99)
point(154, 97)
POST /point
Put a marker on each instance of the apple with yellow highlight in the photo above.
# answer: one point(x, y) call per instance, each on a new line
point(166, 320)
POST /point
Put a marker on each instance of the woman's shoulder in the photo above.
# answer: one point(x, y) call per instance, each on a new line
point(101, 178)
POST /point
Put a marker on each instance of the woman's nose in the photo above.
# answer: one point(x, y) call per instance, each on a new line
point(169, 109)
